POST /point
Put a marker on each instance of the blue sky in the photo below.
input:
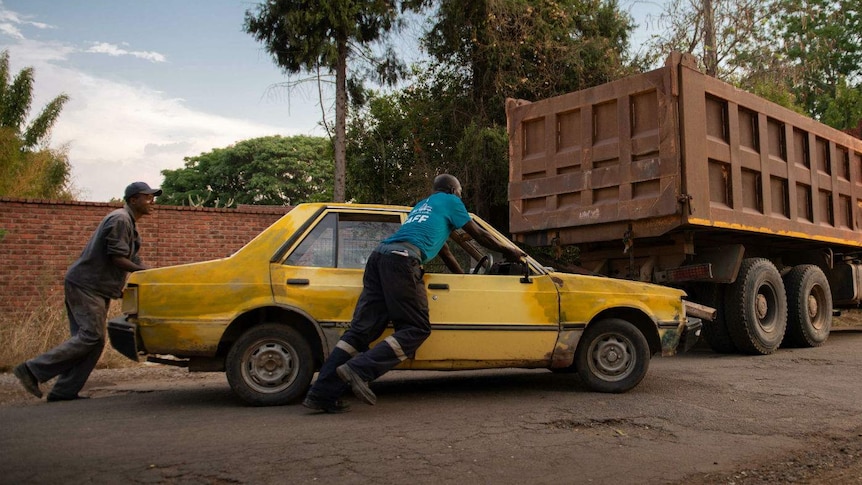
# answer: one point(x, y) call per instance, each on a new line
point(152, 82)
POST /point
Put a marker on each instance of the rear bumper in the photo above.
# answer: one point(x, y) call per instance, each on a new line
point(124, 337)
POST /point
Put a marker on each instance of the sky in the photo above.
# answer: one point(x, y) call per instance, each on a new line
point(154, 81)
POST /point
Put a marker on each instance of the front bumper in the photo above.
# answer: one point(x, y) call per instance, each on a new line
point(690, 334)
point(124, 337)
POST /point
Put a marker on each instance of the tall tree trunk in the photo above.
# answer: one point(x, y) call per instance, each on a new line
point(340, 121)
point(710, 58)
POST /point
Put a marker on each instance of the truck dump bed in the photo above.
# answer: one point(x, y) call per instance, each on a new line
point(674, 149)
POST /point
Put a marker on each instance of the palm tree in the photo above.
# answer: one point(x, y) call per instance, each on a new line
point(15, 100)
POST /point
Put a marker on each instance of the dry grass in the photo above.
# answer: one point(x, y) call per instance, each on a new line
point(40, 329)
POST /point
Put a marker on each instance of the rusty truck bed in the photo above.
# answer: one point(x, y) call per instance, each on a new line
point(674, 149)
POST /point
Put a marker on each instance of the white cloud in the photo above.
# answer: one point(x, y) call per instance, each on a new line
point(118, 133)
point(115, 51)
point(9, 22)
point(11, 30)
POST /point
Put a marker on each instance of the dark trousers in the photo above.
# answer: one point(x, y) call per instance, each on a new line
point(74, 359)
point(393, 291)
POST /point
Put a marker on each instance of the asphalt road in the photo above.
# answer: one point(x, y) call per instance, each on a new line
point(697, 418)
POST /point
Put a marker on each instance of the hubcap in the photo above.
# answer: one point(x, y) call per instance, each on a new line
point(612, 357)
point(270, 366)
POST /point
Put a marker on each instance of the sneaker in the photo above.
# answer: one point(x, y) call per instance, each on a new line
point(332, 407)
point(360, 388)
point(55, 398)
point(28, 380)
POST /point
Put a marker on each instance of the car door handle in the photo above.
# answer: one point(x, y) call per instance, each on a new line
point(298, 281)
point(438, 286)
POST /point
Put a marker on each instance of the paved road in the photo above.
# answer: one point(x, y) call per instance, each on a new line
point(697, 418)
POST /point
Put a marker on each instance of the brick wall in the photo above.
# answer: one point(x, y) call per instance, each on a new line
point(42, 238)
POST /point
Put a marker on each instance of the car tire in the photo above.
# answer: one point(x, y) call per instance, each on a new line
point(612, 356)
point(270, 365)
point(756, 307)
point(809, 307)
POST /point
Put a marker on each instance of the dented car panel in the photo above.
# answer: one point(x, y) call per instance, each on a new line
point(269, 314)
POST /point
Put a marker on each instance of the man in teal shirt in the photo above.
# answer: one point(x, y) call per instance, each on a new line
point(393, 290)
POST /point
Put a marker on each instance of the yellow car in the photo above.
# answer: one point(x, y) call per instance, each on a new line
point(269, 314)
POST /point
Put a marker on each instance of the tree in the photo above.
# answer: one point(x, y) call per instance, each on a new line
point(271, 170)
point(315, 35)
point(28, 167)
point(822, 40)
point(728, 37)
point(452, 117)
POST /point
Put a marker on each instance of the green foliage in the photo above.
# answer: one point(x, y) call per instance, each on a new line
point(39, 174)
point(323, 35)
point(15, 100)
point(452, 117)
point(527, 49)
point(844, 111)
point(822, 41)
point(28, 167)
point(304, 35)
point(270, 170)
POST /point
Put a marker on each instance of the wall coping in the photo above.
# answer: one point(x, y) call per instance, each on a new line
point(240, 209)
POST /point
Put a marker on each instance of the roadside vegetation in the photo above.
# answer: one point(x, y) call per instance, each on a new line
point(27, 334)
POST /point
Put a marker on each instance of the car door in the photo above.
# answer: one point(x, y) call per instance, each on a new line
point(321, 273)
point(487, 319)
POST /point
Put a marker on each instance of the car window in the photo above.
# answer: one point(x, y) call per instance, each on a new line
point(357, 238)
point(343, 240)
point(465, 250)
point(317, 249)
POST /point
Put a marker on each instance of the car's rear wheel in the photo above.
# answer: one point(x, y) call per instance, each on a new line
point(612, 356)
point(269, 365)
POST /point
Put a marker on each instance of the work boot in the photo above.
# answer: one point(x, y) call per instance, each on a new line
point(28, 380)
point(327, 406)
point(360, 388)
point(55, 398)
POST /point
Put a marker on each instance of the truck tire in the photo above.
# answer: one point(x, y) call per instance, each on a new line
point(612, 356)
point(756, 307)
point(269, 365)
point(809, 307)
point(715, 332)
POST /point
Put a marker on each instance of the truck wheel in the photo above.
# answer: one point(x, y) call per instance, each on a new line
point(809, 307)
point(756, 307)
point(612, 356)
point(715, 332)
point(269, 365)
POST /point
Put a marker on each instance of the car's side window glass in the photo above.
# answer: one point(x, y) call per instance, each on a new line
point(343, 240)
point(318, 247)
point(464, 259)
point(359, 234)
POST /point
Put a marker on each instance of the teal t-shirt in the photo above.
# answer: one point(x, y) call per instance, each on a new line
point(429, 223)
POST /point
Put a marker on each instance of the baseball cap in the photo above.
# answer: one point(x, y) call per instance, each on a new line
point(135, 188)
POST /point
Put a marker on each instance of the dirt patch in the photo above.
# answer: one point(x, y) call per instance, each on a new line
point(836, 460)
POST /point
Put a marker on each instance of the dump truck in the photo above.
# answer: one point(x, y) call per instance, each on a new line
point(677, 178)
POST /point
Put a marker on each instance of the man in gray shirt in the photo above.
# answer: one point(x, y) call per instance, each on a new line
point(91, 282)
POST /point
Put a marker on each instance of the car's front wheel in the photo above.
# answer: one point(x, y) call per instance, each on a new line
point(269, 365)
point(612, 356)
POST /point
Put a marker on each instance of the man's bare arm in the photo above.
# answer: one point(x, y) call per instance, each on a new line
point(450, 261)
point(485, 238)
